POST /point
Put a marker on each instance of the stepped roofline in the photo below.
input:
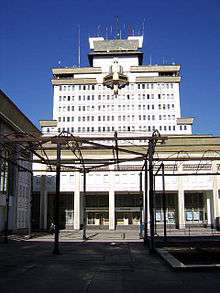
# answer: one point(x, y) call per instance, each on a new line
point(99, 47)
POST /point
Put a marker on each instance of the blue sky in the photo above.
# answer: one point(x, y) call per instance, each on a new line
point(35, 35)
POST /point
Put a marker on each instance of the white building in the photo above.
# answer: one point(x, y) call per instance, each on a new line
point(15, 175)
point(84, 106)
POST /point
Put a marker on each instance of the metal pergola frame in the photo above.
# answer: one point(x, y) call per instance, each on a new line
point(76, 145)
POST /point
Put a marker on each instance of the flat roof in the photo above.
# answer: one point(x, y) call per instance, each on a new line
point(12, 115)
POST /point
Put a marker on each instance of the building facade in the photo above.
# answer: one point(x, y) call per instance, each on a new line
point(15, 182)
point(117, 93)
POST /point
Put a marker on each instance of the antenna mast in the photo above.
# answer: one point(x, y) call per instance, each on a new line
point(79, 51)
point(117, 28)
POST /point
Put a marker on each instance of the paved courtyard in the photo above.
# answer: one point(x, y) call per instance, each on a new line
point(87, 267)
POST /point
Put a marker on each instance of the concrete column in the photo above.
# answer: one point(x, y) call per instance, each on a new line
point(209, 210)
point(146, 192)
point(111, 210)
point(181, 210)
point(180, 220)
point(111, 201)
point(216, 203)
point(77, 202)
point(43, 202)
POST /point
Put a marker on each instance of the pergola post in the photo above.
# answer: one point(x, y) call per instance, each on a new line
point(84, 204)
point(57, 198)
point(145, 203)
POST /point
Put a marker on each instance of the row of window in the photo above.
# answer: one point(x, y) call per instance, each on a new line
point(131, 86)
point(112, 118)
point(110, 97)
point(120, 107)
point(122, 128)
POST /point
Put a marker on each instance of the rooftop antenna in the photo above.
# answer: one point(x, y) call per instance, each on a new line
point(130, 29)
point(150, 60)
point(124, 28)
point(111, 31)
point(106, 33)
point(117, 29)
point(99, 30)
point(79, 51)
point(143, 26)
point(59, 63)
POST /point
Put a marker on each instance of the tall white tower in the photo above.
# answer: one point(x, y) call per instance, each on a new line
point(147, 96)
